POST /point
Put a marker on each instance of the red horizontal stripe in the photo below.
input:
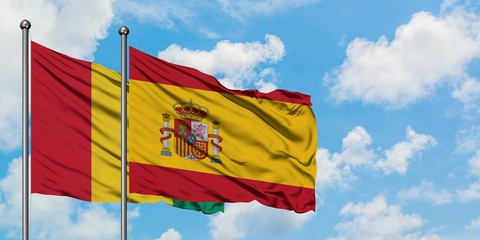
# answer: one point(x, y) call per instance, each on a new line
point(61, 133)
point(203, 187)
point(144, 67)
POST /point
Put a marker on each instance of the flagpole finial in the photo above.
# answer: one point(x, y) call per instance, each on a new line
point(26, 24)
point(123, 30)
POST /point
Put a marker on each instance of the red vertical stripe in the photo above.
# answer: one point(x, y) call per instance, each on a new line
point(61, 124)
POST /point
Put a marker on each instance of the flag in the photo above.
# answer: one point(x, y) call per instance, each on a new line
point(195, 140)
point(75, 131)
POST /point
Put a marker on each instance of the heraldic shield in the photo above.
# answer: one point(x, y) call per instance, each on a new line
point(190, 133)
point(191, 139)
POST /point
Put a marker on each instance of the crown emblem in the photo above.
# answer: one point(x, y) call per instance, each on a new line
point(191, 135)
point(190, 110)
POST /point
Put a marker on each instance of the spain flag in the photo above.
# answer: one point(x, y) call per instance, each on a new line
point(195, 140)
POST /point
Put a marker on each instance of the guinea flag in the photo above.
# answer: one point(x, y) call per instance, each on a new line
point(193, 139)
point(75, 131)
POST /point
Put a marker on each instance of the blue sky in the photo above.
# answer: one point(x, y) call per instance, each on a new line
point(395, 89)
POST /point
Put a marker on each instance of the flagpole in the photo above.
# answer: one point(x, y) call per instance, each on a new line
point(25, 26)
point(123, 31)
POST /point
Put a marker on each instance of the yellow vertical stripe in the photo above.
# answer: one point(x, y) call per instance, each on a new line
point(105, 148)
point(105, 122)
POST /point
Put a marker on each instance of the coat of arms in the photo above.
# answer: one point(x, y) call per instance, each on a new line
point(190, 133)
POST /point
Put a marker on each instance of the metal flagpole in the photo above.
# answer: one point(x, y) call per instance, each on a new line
point(25, 26)
point(123, 31)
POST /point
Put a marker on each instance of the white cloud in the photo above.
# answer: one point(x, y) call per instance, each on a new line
point(236, 64)
point(331, 171)
point(72, 27)
point(243, 9)
point(398, 157)
point(448, 5)
point(474, 163)
point(202, 16)
point(468, 94)
point(134, 213)
point(473, 226)
point(468, 140)
point(471, 231)
point(420, 236)
point(425, 191)
point(242, 219)
point(337, 168)
point(164, 13)
point(357, 152)
point(11, 196)
point(89, 222)
point(413, 65)
point(170, 234)
point(378, 220)
point(470, 194)
point(53, 217)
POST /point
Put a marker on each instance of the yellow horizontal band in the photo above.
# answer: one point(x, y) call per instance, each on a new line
point(262, 139)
